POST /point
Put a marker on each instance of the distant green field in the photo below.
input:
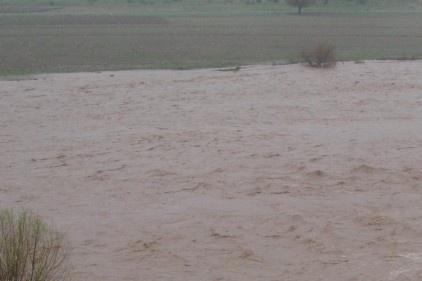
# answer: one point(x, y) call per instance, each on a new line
point(223, 5)
point(112, 35)
point(136, 6)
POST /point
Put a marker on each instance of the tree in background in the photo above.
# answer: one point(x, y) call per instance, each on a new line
point(300, 4)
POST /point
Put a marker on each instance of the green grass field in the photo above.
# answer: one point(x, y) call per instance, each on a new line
point(43, 36)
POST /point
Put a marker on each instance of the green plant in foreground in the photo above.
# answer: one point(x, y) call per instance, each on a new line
point(30, 249)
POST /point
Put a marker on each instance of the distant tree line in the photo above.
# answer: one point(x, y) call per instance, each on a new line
point(299, 4)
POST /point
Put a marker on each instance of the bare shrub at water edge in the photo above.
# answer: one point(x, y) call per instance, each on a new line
point(30, 249)
point(321, 55)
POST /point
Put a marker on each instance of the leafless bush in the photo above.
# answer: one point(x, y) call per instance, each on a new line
point(321, 55)
point(30, 249)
